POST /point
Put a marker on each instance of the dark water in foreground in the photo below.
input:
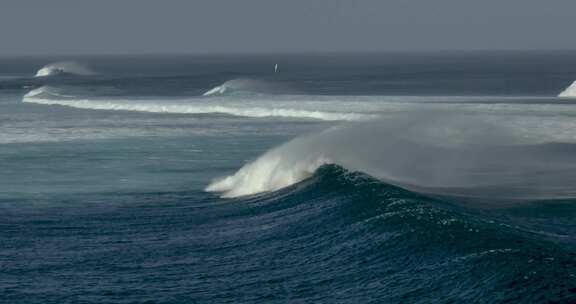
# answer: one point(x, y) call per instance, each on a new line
point(402, 193)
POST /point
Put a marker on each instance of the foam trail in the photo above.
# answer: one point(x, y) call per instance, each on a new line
point(569, 92)
point(442, 150)
point(346, 108)
point(63, 68)
point(51, 96)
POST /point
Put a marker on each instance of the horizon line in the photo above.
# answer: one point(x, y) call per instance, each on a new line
point(284, 53)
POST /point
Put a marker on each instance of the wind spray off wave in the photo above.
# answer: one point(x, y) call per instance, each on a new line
point(436, 152)
point(64, 68)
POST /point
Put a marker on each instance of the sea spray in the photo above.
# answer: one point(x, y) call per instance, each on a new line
point(439, 151)
point(64, 68)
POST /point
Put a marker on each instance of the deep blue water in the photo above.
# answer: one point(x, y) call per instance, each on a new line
point(389, 178)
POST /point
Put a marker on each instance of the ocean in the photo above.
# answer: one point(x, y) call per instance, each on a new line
point(440, 177)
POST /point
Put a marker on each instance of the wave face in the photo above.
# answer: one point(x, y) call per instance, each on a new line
point(64, 68)
point(441, 152)
point(347, 229)
point(570, 91)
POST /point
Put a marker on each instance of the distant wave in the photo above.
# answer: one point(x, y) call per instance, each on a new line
point(569, 92)
point(46, 92)
point(246, 86)
point(64, 68)
point(441, 152)
point(332, 108)
point(264, 108)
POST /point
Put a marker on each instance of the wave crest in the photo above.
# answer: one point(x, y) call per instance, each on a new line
point(246, 86)
point(433, 152)
point(569, 92)
point(46, 92)
point(64, 68)
point(273, 171)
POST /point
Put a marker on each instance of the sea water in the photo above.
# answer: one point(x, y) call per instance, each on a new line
point(359, 178)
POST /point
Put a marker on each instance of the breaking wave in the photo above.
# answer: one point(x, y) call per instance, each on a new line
point(436, 152)
point(247, 86)
point(569, 92)
point(64, 68)
point(330, 108)
point(237, 107)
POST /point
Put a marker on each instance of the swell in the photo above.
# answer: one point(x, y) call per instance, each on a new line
point(332, 183)
point(339, 237)
point(349, 225)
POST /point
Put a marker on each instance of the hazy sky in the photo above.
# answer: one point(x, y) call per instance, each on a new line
point(228, 26)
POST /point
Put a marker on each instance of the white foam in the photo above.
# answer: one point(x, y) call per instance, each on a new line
point(274, 170)
point(331, 108)
point(200, 109)
point(569, 92)
point(236, 106)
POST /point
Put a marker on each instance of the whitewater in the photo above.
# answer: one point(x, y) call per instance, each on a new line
point(345, 108)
